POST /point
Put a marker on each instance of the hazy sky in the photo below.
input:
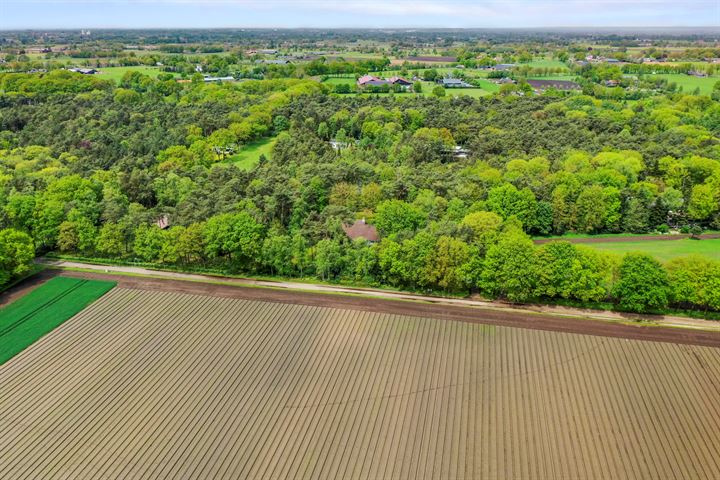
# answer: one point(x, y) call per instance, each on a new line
point(355, 13)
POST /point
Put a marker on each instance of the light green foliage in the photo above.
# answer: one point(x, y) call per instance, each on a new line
point(393, 216)
point(444, 266)
point(508, 266)
point(484, 225)
point(695, 281)
point(566, 271)
point(16, 254)
point(328, 259)
point(642, 284)
point(236, 236)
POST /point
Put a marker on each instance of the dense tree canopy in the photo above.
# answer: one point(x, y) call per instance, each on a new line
point(148, 171)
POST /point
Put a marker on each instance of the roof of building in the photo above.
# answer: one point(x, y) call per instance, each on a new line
point(361, 229)
point(163, 222)
point(84, 71)
point(366, 79)
point(209, 78)
point(455, 82)
point(399, 81)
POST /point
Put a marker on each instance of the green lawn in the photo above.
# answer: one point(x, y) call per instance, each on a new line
point(690, 83)
point(116, 73)
point(340, 81)
point(249, 154)
point(547, 63)
point(665, 249)
point(24, 321)
point(470, 92)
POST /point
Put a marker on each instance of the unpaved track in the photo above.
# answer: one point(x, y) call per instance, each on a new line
point(661, 320)
point(521, 319)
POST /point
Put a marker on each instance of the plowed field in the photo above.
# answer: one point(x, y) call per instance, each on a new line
point(158, 384)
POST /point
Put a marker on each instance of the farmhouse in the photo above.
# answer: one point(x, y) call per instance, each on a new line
point(360, 229)
point(84, 71)
point(454, 83)
point(210, 79)
point(373, 81)
point(399, 81)
point(501, 67)
point(542, 85)
point(367, 80)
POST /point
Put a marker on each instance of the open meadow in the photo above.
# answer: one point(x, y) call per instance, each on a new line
point(116, 73)
point(152, 383)
point(249, 154)
point(689, 83)
point(664, 250)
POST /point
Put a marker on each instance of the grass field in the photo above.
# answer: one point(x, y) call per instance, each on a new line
point(547, 63)
point(689, 83)
point(116, 73)
point(249, 154)
point(665, 249)
point(32, 316)
point(158, 384)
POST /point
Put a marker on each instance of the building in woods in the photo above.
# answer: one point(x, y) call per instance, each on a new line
point(361, 229)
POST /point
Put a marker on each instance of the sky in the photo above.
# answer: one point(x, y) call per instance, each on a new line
point(21, 14)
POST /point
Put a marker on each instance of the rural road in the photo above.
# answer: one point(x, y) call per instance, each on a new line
point(607, 316)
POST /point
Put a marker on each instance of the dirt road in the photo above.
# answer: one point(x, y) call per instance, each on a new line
point(466, 310)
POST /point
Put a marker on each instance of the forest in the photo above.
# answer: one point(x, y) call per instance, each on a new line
point(143, 171)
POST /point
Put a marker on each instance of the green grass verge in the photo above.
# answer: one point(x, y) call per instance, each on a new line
point(664, 250)
point(27, 319)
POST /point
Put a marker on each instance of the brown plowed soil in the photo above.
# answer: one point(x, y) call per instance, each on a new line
point(498, 317)
point(634, 238)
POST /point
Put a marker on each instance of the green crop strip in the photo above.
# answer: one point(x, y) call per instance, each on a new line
point(29, 318)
